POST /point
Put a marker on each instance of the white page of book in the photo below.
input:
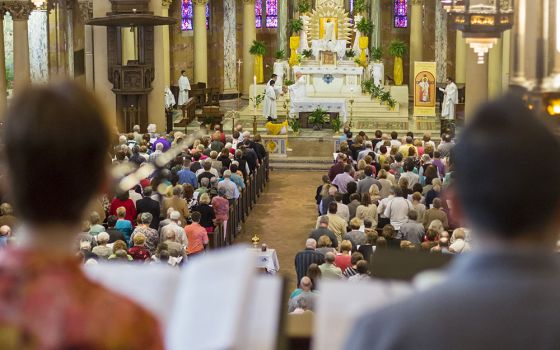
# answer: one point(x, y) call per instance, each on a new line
point(340, 303)
point(262, 320)
point(212, 300)
point(151, 286)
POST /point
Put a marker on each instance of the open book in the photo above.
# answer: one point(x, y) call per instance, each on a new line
point(216, 302)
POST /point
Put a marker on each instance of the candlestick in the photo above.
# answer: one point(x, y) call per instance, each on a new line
point(255, 90)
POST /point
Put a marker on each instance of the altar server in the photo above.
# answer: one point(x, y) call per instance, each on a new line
point(184, 88)
point(269, 107)
point(450, 99)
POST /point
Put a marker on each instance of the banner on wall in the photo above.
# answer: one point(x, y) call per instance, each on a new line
point(424, 89)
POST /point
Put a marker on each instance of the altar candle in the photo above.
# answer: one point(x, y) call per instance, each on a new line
point(255, 88)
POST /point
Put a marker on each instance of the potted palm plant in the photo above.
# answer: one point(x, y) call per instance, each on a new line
point(397, 49)
point(303, 6)
point(258, 49)
point(336, 124)
point(350, 54)
point(317, 118)
point(360, 6)
point(365, 27)
point(295, 26)
point(378, 68)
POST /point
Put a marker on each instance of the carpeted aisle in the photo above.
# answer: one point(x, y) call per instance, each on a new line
point(284, 215)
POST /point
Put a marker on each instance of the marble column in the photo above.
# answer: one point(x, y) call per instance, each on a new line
point(156, 101)
point(20, 11)
point(441, 43)
point(38, 46)
point(518, 37)
point(376, 20)
point(506, 59)
point(62, 37)
point(3, 82)
point(495, 70)
point(460, 56)
point(86, 11)
point(165, 36)
point(230, 46)
point(249, 34)
point(282, 26)
point(530, 40)
point(102, 85)
point(200, 42)
point(476, 83)
point(416, 37)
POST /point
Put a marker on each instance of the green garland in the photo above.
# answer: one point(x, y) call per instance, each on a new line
point(379, 92)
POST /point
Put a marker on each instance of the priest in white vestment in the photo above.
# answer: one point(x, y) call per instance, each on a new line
point(184, 88)
point(298, 91)
point(269, 106)
point(450, 99)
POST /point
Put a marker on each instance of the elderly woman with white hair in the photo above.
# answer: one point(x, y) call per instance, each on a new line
point(459, 244)
point(150, 234)
point(102, 250)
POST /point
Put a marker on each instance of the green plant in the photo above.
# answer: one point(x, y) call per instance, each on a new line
point(307, 53)
point(391, 103)
point(377, 53)
point(280, 55)
point(360, 6)
point(258, 48)
point(294, 124)
point(303, 6)
point(295, 26)
point(317, 118)
point(336, 124)
point(365, 26)
point(350, 53)
point(257, 100)
point(360, 63)
point(367, 85)
point(397, 48)
point(288, 82)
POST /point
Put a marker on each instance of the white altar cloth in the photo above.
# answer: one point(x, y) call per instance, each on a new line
point(338, 46)
point(332, 105)
point(329, 70)
point(326, 81)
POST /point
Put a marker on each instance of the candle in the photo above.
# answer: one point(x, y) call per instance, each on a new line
point(255, 91)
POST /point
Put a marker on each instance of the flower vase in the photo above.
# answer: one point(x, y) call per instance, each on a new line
point(294, 44)
point(398, 71)
point(363, 42)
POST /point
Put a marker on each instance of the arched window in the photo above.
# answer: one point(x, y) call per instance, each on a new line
point(401, 13)
point(266, 11)
point(187, 15)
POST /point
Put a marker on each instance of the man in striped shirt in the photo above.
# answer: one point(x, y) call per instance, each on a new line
point(307, 257)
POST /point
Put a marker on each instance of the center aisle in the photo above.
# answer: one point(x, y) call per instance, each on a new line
point(284, 215)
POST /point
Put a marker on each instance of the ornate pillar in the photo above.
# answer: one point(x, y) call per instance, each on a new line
point(518, 37)
point(376, 20)
point(200, 42)
point(230, 47)
point(3, 84)
point(86, 11)
point(460, 56)
point(165, 35)
point(495, 70)
point(249, 34)
point(506, 59)
point(282, 25)
point(20, 11)
point(476, 83)
point(441, 42)
point(416, 37)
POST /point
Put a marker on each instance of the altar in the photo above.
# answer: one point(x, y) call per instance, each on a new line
point(330, 105)
point(331, 80)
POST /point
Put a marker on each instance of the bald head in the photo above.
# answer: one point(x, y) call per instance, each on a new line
point(305, 284)
point(330, 257)
point(311, 243)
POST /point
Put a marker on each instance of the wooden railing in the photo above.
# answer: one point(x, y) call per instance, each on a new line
point(240, 209)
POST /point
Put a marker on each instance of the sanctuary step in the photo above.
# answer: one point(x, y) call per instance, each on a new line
point(301, 163)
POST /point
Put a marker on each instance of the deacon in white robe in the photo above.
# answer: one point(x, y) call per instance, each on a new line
point(169, 98)
point(450, 99)
point(298, 91)
point(184, 88)
point(269, 107)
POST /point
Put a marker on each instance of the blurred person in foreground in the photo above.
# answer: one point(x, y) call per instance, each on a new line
point(514, 272)
point(42, 287)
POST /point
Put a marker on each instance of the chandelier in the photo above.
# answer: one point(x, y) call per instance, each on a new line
point(481, 21)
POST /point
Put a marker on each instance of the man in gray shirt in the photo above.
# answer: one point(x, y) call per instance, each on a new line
point(506, 294)
point(412, 231)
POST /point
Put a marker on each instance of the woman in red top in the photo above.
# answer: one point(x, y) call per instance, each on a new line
point(122, 200)
point(344, 260)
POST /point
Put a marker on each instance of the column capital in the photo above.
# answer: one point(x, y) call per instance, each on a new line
point(416, 2)
point(86, 9)
point(200, 2)
point(166, 3)
point(248, 2)
point(20, 10)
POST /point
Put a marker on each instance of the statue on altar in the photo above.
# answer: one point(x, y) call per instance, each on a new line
point(329, 34)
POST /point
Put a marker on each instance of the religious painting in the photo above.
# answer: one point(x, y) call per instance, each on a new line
point(328, 28)
point(424, 89)
point(328, 58)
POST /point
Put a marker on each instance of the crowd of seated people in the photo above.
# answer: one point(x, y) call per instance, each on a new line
point(148, 224)
point(383, 192)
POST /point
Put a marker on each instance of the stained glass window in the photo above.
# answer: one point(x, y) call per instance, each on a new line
point(258, 13)
point(401, 13)
point(271, 13)
point(266, 11)
point(187, 15)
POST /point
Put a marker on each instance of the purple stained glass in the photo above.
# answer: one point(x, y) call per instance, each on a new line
point(271, 8)
point(271, 21)
point(258, 13)
point(258, 22)
point(401, 13)
point(187, 15)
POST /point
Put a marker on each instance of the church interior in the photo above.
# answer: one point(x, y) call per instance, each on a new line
point(303, 103)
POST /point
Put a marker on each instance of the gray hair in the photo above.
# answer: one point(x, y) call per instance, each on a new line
point(146, 218)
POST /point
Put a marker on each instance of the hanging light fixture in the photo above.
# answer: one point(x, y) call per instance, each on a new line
point(481, 21)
